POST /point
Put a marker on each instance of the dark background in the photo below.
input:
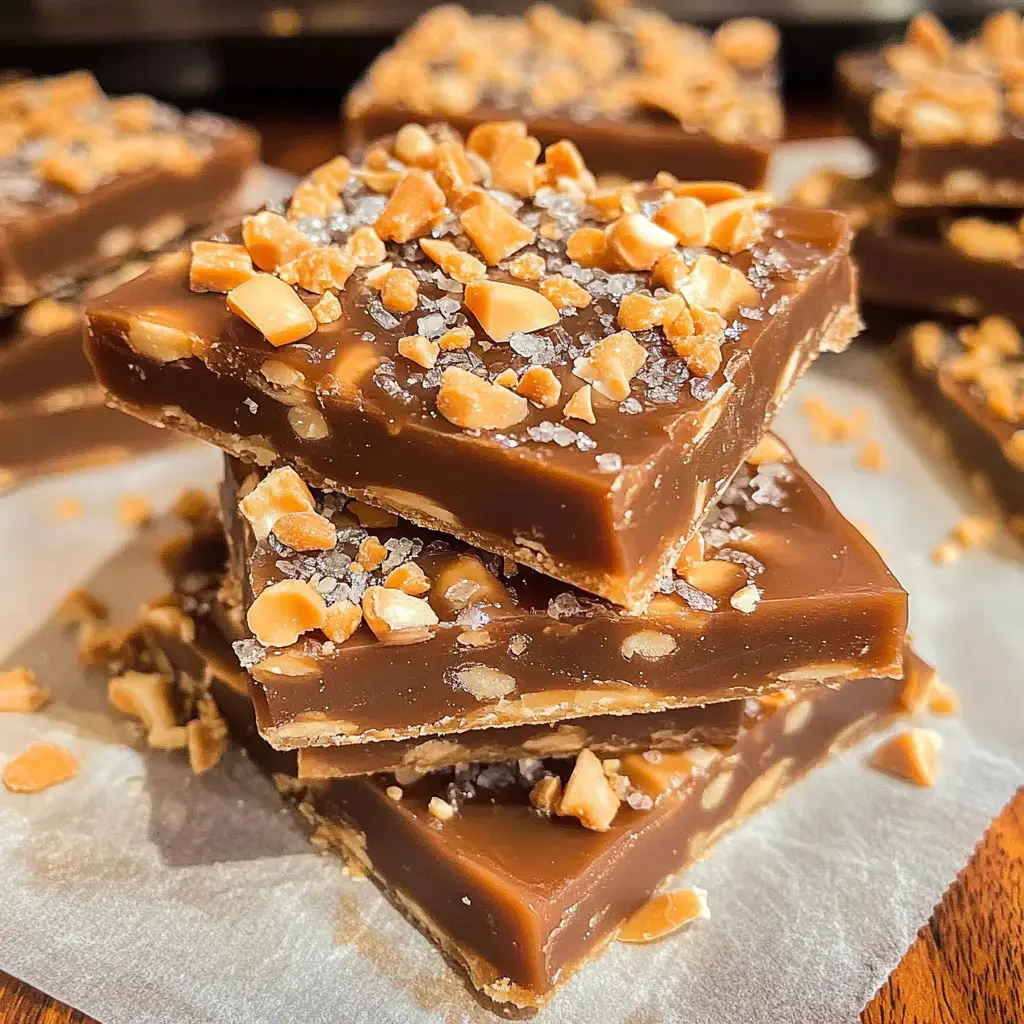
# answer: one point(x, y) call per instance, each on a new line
point(258, 59)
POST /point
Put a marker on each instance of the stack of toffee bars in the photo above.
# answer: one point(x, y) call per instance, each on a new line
point(940, 230)
point(511, 587)
point(89, 186)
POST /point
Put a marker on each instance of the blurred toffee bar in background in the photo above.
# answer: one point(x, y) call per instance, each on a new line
point(383, 631)
point(964, 262)
point(944, 118)
point(968, 381)
point(87, 180)
point(482, 858)
point(53, 414)
point(638, 94)
point(563, 375)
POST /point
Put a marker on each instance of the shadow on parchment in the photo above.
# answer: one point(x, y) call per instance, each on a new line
point(233, 812)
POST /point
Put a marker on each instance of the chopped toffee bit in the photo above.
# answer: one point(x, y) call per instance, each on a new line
point(39, 766)
point(19, 690)
point(134, 510)
point(69, 508)
point(664, 915)
point(912, 756)
point(872, 456)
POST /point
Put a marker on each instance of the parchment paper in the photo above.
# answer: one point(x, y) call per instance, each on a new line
point(141, 894)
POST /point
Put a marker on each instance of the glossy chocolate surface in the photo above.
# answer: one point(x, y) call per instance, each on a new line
point(599, 507)
point(828, 609)
point(50, 235)
point(978, 436)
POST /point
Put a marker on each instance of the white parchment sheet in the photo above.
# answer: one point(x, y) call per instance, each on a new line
point(141, 894)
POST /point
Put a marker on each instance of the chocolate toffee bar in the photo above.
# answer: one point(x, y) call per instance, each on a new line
point(946, 119)
point(970, 382)
point(637, 94)
point(968, 263)
point(367, 628)
point(53, 416)
point(573, 400)
point(495, 864)
point(197, 646)
point(85, 179)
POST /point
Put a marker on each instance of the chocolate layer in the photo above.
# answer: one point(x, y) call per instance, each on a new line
point(604, 507)
point(121, 187)
point(514, 646)
point(520, 900)
point(637, 95)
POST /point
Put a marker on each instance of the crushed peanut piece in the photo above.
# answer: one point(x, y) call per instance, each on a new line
point(413, 208)
point(540, 386)
point(396, 617)
point(611, 364)
point(218, 267)
point(546, 795)
point(733, 225)
point(39, 766)
point(273, 308)
point(975, 531)
point(409, 578)
point(588, 795)
point(206, 737)
point(440, 809)
point(564, 293)
point(945, 552)
point(318, 269)
point(148, 696)
point(461, 266)
point(508, 378)
point(514, 167)
point(328, 308)
point(718, 286)
point(912, 756)
point(364, 248)
point(638, 242)
point(664, 915)
point(503, 309)
point(69, 508)
point(587, 247)
point(341, 621)
point(19, 690)
point(279, 492)
point(747, 43)
point(305, 531)
point(942, 698)
point(271, 241)
point(457, 337)
point(78, 606)
point(769, 449)
point(134, 510)
point(419, 350)
point(394, 793)
point(371, 553)
point(471, 403)
point(284, 611)
point(581, 405)
point(872, 456)
point(746, 599)
point(400, 291)
point(494, 231)
point(696, 334)
point(687, 219)
point(529, 266)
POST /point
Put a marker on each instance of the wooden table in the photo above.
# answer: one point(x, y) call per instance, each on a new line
point(967, 963)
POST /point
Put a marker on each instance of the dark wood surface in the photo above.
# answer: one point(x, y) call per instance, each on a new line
point(967, 963)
